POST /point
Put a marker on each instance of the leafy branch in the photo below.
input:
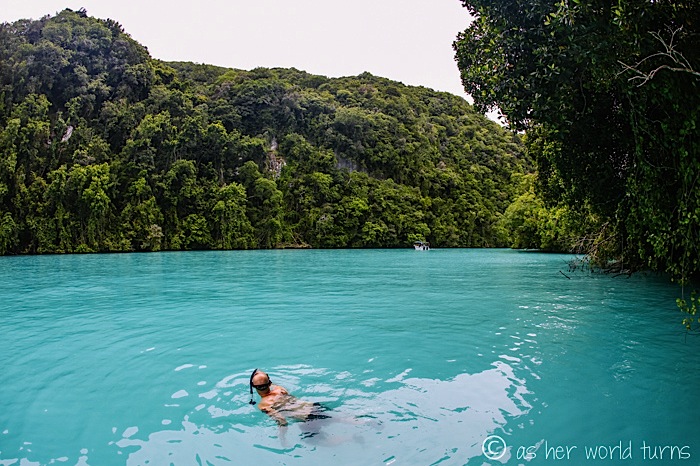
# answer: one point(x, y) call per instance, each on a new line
point(690, 308)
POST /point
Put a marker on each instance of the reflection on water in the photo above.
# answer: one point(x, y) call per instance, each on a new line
point(403, 423)
point(146, 358)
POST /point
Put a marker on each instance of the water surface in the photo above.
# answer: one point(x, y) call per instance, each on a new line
point(145, 359)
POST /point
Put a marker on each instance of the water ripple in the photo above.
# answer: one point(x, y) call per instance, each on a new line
point(146, 358)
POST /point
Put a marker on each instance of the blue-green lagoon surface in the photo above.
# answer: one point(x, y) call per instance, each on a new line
point(424, 358)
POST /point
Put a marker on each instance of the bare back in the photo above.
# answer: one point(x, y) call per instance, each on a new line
point(280, 405)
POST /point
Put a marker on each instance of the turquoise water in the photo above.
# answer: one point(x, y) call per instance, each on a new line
point(144, 359)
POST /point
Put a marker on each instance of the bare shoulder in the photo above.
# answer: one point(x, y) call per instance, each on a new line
point(281, 390)
point(264, 405)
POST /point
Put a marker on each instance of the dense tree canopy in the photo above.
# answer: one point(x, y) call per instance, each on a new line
point(609, 93)
point(103, 148)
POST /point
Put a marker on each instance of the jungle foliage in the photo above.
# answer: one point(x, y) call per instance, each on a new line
point(609, 94)
point(103, 148)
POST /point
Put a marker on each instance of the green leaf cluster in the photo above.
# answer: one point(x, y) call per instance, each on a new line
point(691, 321)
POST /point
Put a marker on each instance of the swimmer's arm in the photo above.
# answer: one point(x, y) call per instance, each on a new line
point(281, 420)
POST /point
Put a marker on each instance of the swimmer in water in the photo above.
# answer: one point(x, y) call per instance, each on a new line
point(276, 402)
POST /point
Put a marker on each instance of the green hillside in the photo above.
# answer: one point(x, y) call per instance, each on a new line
point(104, 148)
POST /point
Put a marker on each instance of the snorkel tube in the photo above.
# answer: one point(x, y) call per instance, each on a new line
point(252, 402)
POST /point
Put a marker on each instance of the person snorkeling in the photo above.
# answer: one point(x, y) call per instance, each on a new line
point(276, 402)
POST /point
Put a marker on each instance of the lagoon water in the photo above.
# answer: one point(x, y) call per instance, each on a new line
point(423, 357)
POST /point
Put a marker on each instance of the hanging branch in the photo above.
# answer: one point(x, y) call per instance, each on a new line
point(679, 62)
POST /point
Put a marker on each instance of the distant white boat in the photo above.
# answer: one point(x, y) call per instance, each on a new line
point(421, 246)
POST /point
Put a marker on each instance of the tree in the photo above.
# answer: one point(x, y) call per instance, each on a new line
point(624, 151)
point(141, 218)
point(265, 206)
point(184, 199)
point(87, 190)
point(231, 227)
point(8, 233)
